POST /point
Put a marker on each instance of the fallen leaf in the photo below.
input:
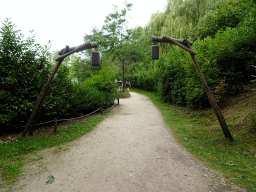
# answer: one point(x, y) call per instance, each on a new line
point(50, 179)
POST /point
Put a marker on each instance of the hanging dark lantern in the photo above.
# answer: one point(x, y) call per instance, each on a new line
point(95, 58)
point(155, 52)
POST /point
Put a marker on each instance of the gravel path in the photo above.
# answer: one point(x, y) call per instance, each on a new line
point(131, 150)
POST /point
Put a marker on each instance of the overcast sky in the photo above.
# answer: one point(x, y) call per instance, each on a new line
point(66, 22)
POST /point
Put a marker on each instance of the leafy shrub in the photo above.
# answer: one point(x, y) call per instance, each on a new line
point(74, 99)
point(172, 79)
point(143, 75)
point(83, 99)
point(57, 101)
point(104, 83)
point(206, 57)
point(227, 15)
point(226, 62)
point(23, 68)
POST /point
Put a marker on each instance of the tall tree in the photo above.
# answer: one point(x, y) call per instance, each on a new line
point(114, 37)
point(114, 31)
point(182, 19)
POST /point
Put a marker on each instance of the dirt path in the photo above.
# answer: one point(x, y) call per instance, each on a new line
point(131, 150)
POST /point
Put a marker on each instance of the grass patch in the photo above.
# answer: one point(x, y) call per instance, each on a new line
point(13, 154)
point(200, 133)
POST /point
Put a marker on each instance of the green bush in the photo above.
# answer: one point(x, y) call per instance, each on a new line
point(228, 14)
point(24, 68)
point(206, 57)
point(57, 102)
point(172, 78)
point(75, 99)
point(83, 99)
point(104, 83)
point(143, 76)
point(226, 62)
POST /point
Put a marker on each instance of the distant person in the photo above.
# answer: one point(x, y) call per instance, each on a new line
point(120, 83)
point(128, 84)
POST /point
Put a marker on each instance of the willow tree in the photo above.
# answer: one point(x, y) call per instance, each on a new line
point(182, 19)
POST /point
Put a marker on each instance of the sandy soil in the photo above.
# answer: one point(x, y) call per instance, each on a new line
point(131, 150)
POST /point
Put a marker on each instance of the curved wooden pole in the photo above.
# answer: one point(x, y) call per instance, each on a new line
point(185, 44)
point(43, 93)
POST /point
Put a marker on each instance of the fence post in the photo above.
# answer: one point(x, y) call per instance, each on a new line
point(101, 112)
point(55, 125)
point(118, 101)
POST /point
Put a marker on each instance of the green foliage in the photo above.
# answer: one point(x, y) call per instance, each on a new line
point(74, 99)
point(112, 32)
point(115, 41)
point(83, 99)
point(228, 14)
point(57, 100)
point(181, 19)
point(226, 60)
point(80, 69)
point(142, 75)
point(195, 95)
point(172, 79)
point(104, 83)
point(226, 63)
point(24, 67)
point(113, 29)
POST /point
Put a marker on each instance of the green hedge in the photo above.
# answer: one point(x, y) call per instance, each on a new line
point(23, 68)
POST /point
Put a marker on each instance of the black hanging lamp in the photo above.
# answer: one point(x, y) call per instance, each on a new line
point(95, 58)
point(155, 52)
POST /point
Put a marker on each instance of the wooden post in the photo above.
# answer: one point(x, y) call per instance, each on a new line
point(212, 99)
point(123, 75)
point(118, 101)
point(39, 103)
point(55, 125)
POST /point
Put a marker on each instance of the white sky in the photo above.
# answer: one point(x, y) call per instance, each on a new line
point(66, 22)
